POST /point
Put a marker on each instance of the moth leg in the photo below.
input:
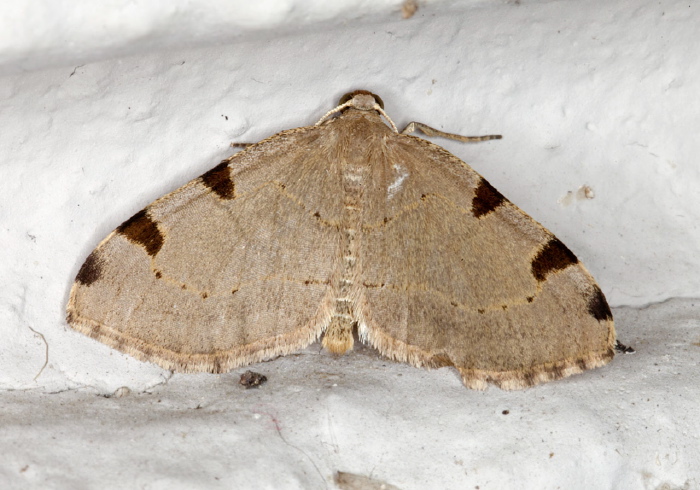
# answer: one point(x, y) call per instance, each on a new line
point(624, 349)
point(427, 130)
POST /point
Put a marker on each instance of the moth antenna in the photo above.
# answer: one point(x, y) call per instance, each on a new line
point(333, 111)
point(381, 111)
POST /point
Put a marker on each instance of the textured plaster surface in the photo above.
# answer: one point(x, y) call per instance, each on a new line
point(630, 425)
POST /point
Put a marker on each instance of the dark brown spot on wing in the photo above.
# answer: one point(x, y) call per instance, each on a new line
point(553, 257)
point(486, 199)
point(598, 306)
point(219, 180)
point(91, 270)
point(142, 230)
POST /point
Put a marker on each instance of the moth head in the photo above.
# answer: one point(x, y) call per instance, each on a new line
point(362, 100)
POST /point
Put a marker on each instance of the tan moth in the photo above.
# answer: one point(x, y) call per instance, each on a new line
point(347, 224)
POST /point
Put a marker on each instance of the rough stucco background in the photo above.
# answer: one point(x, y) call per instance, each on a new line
point(103, 109)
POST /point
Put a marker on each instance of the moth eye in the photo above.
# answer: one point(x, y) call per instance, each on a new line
point(350, 95)
point(379, 100)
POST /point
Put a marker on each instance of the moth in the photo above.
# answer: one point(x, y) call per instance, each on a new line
point(347, 225)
